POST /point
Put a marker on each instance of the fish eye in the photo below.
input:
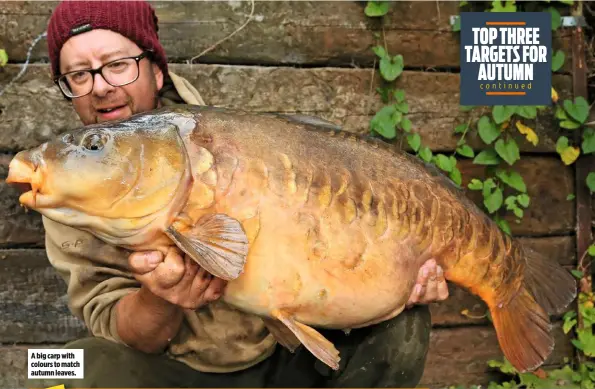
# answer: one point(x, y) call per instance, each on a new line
point(93, 142)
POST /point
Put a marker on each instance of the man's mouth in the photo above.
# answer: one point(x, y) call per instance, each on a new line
point(111, 112)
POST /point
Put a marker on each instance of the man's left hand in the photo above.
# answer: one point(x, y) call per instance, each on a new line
point(430, 285)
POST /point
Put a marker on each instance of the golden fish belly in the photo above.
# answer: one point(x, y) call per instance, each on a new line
point(326, 273)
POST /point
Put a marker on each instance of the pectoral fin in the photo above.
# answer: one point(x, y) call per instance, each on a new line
point(216, 242)
point(282, 334)
point(311, 339)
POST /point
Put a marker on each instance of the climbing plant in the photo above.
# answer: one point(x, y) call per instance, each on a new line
point(3, 58)
point(503, 189)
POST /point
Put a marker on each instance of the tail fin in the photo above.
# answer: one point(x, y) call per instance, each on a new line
point(523, 324)
point(552, 286)
point(523, 330)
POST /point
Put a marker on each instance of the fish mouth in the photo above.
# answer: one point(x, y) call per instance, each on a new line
point(26, 177)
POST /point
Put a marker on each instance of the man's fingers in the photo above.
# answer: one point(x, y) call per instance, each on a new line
point(442, 285)
point(143, 262)
point(201, 282)
point(415, 296)
point(436, 288)
point(215, 289)
point(191, 268)
point(427, 270)
point(171, 271)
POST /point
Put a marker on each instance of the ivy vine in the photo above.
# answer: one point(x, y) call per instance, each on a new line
point(504, 192)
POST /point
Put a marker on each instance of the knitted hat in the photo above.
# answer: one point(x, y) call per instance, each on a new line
point(136, 20)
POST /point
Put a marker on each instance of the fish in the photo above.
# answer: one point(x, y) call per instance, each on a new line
point(312, 226)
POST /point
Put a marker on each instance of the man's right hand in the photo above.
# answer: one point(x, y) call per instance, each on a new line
point(176, 278)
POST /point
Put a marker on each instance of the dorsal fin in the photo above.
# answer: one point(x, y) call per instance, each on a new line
point(311, 120)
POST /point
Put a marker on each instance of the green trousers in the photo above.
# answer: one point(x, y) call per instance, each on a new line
point(389, 354)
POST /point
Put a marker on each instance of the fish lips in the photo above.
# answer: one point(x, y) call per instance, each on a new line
point(26, 177)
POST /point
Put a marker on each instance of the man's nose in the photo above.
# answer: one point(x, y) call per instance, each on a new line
point(100, 86)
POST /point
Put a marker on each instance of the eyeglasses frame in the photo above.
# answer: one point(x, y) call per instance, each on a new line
point(137, 59)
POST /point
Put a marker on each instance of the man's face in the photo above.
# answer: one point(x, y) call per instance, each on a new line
point(105, 102)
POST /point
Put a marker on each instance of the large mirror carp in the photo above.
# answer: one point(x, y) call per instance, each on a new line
point(312, 226)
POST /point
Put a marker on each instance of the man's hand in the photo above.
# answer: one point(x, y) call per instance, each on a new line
point(149, 318)
point(430, 286)
point(176, 278)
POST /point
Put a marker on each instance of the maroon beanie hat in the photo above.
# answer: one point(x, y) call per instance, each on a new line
point(136, 20)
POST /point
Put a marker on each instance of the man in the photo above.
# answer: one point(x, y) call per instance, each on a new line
point(157, 320)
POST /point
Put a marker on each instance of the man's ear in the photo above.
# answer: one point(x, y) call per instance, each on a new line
point(158, 76)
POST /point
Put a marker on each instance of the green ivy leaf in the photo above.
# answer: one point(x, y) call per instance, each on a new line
point(570, 197)
point(591, 181)
point(579, 110)
point(475, 184)
point(414, 141)
point(456, 176)
point(560, 113)
point(466, 151)
point(556, 18)
point(403, 107)
point(523, 199)
point(561, 144)
point(512, 179)
point(588, 141)
point(557, 60)
point(518, 212)
point(376, 8)
point(444, 163)
point(509, 151)
point(488, 185)
point(406, 124)
point(488, 132)
point(569, 124)
point(568, 325)
point(391, 68)
point(379, 51)
point(510, 202)
point(592, 250)
point(587, 340)
point(3, 57)
point(504, 226)
point(502, 113)
point(508, 6)
point(384, 122)
point(528, 112)
point(578, 274)
point(397, 117)
point(466, 108)
point(399, 95)
point(487, 157)
point(456, 27)
point(460, 128)
point(425, 153)
point(494, 200)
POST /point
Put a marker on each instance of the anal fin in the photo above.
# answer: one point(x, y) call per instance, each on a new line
point(282, 334)
point(216, 242)
point(311, 339)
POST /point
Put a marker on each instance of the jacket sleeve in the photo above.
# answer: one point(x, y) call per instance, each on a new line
point(96, 275)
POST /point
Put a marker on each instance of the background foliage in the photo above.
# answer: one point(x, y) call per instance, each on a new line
point(503, 188)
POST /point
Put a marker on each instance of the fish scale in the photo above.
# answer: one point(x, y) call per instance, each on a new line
point(312, 227)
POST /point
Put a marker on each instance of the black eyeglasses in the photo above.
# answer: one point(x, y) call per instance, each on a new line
point(118, 72)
